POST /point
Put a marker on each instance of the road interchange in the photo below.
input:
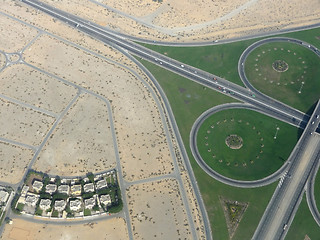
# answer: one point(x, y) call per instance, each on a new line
point(263, 103)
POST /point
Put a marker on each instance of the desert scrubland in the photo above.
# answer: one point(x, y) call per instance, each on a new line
point(81, 143)
point(113, 229)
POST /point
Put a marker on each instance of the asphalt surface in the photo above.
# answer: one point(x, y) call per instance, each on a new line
point(265, 104)
point(285, 201)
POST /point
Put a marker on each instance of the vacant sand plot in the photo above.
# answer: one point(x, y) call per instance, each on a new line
point(135, 8)
point(140, 133)
point(13, 162)
point(112, 229)
point(2, 60)
point(198, 20)
point(188, 13)
point(157, 212)
point(33, 87)
point(82, 141)
point(14, 35)
point(23, 124)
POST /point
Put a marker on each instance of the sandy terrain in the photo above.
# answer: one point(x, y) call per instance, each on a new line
point(140, 135)
point(81, 143)
point(138, 125)
point(28, 85)
point(112, 229)
point(200, 20)
point(23, 124)
point(11, 31)
point(13, 162)
point(156, 204)
point(2, 60)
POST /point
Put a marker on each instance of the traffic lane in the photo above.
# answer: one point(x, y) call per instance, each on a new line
point(290, 190)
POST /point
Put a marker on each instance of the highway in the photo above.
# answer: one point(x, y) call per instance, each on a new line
point(285, 201)
point(260, 102)
point(269, 106)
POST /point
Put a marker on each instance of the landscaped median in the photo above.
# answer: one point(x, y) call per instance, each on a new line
point(57, 197)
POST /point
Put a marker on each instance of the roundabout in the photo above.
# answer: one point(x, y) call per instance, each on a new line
point(240, 150)
point(282, 68)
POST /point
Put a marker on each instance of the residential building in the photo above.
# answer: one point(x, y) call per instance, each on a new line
point(89, 203)
point(76, 190)
point(75, 205)
point(101, 184)
point(60, 205)
point(105, 199)
point(32, 199)
point(51, 188)
point(89, 187)
point(45, 204)
point(65, 189)
point(3, 196)
point(37, 186)
point(24, 191)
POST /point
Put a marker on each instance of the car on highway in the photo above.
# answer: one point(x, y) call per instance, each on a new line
point(182, 65)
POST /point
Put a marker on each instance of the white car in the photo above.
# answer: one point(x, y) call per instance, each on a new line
point(182, 65)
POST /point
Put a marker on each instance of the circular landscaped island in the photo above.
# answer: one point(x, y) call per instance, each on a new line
point(285, 71)
point(241, 144)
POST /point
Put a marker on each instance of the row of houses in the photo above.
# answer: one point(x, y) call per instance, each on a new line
point(31, 199)
point(74, 190)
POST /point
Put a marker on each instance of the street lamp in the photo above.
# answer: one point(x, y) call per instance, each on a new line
point(275, 135)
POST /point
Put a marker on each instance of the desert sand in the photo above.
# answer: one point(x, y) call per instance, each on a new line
point(139, 127)
point(23, 124)
point(137, 121)
point(200, 20)
point(13, 162)
point(14, 35)
point(112, 229)
point(156, 204)
point(28, 85)
point(81, 143)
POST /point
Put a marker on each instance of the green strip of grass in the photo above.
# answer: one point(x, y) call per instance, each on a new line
point(303, 224)
point(187, 104)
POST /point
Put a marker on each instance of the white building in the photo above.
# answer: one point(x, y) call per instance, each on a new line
point(76, 190)
point(89, 203)
point(37, 186)
point(65, 189)
point(45, 204)
point(101, 184)
point(32, 199)
point(105, 199)
point(60, 205)
point(89, 187)
point(24, 191)
point(3, 196)
point(75, 205)
point(51, 188)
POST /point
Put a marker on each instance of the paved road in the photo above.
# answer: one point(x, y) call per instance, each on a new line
point(270, 107)
point(284, 112)
point(236, 183)
point(285, 201)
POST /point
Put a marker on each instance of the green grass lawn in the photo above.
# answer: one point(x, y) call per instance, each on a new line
point(187, 104)
point(303, 224)
point(298, 86)
point(260, 154)
point(317, 190)
point(222, 60)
